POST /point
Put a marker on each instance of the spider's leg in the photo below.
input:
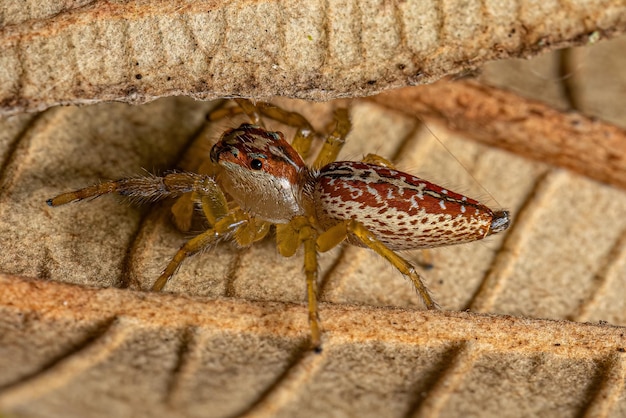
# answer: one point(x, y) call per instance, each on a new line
point(251, 231)
point(243, 106)
point(309, 238)
point(182, 211)
point(378, 160)
point(305, 132)
point(145, 188)
point(223, 112)
point(153, 188)
point(184, 207)
point(404, 266)
point(251, 110)
point(197, 243)
point(335, 140)
point(332, 237)
point(289, 237)
point(224, 228)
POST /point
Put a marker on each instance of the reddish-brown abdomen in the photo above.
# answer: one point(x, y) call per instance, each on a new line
point(403, 211)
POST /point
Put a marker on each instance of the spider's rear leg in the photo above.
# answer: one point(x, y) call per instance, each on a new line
point(404, 266)
point(337, 233)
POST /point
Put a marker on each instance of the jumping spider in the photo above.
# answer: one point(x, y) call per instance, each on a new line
point(368, 203)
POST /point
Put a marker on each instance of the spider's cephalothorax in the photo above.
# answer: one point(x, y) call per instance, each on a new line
point(367, 203)
point(262, 173)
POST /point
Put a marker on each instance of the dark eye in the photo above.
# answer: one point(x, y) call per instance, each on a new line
point(256, 164)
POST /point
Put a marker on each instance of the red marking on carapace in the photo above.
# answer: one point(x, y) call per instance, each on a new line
point(249, 142)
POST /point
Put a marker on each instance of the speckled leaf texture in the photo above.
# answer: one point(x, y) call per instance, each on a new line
point(533, 320)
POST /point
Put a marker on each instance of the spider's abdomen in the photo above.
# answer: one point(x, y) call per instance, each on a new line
point(403, 211)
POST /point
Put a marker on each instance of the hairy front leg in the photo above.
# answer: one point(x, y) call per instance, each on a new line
point(144, 188)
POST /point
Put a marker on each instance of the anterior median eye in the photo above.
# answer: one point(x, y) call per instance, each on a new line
point(256, 164)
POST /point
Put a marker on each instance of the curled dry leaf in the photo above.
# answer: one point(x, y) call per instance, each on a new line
point(85, 52)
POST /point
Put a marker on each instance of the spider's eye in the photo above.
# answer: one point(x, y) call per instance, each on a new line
point(256, 164)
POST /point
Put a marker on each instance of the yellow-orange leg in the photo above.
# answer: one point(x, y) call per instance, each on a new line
point(146, 188)
point(243, 106)
point(335, 140)
point(224, 223)
point(153, 188)
point(191, 247)
point(251, 110)
point(236, 223)
point(336, 234)
point(378, 160)
point(307, 235)
point(289, 237)
point(404, 266)
point(184, 207)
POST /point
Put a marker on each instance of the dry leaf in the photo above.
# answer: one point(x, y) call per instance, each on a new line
point(229, 337)
point(84, 52)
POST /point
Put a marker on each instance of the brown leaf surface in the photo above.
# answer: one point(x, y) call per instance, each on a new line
point(229, 337)
point(88, 51)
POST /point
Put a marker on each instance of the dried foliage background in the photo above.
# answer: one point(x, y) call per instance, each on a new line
point(78, 336)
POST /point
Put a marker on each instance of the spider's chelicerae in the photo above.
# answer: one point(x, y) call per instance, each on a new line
point(368, 203)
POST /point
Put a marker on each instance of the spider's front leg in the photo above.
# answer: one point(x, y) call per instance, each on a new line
point(224, 223)
point(154, 188)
